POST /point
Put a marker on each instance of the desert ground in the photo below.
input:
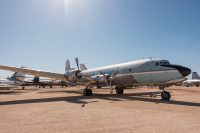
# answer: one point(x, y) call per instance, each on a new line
point(57, 109)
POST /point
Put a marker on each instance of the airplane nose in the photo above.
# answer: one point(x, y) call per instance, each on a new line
point(183, 70)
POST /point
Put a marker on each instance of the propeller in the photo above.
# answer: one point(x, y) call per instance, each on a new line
point(78, 73)
point(77, 63)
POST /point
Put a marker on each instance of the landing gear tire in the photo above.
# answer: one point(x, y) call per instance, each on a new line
point(119, 90)
point(165, 96)
point(152, 95)
point(87, 92)
point(99, 86)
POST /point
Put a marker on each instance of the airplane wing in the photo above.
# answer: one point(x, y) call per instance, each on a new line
point(173, 82)
point(39, 73)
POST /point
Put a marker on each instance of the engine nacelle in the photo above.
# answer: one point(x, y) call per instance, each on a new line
point(77, 76)
point(101, 79)
point(72, 76)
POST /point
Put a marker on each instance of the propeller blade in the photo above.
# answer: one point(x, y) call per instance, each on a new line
point(100, 72)
point(77, 63)
point(115, 74)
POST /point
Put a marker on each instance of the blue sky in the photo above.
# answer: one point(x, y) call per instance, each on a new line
point(42, 34)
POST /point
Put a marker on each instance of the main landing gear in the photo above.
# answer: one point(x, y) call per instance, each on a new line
point(165, 95)
point(119, 90)
point(87, 92)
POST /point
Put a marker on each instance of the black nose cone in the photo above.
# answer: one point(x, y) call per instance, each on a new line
point(183, 70)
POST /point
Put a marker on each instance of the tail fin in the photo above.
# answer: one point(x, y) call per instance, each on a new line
point(67, 66)
point(195, 75)
point(18, 77)
point(83, 67)
point(36, 79)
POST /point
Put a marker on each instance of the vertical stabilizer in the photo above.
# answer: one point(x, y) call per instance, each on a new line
point(67, 66)
point(36, 80)
point(17, 77)
point(195, 75)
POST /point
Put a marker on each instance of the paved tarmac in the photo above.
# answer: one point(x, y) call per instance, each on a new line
point(64, 110)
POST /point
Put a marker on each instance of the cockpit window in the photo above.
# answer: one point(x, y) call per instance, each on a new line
point(157, 63)
point(165, 63)
point(162, 63)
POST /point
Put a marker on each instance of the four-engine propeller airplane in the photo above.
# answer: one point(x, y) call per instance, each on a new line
point(151, 72)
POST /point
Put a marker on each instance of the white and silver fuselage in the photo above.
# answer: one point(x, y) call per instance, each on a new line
point(142, 72)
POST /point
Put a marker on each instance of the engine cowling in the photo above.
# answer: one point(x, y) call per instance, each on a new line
point(77, 76)
point(73, 75)
point(101, 79)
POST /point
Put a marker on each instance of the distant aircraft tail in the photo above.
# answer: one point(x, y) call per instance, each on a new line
point(18, 77)
point(67, 66)
point(83, 67)
point(195, 75)
point(36, 79)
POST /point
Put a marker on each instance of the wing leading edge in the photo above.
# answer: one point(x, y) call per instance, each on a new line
point(39, 73)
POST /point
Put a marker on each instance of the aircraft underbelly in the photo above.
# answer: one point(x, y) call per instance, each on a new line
point(125, 80)
point(157, 77)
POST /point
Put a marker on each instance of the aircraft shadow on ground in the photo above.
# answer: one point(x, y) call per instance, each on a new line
point(111, 97)
point(11, 92)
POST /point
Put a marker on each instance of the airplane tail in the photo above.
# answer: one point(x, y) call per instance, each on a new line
point(18, 77)
point(36, 79)
point(83, 67)
point(67, 66)
point(195, 75)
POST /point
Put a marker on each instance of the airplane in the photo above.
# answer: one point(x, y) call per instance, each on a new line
point(15, 80)
point(195, 81)
point(43, 82)
point(140, 72)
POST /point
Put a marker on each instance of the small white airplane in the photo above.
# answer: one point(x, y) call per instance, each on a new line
point(149, 72)
point(15, 80)
point(195, 81)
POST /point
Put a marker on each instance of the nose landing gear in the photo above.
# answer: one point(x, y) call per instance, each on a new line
point(165, 95)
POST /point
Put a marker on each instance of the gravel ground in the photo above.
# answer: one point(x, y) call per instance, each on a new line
point(58, 109)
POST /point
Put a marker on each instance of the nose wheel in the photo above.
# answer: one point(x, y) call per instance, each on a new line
point(165, 96)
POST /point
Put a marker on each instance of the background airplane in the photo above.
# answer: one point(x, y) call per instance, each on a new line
point(140, 72)
point(195, 81)
point(14, 81)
